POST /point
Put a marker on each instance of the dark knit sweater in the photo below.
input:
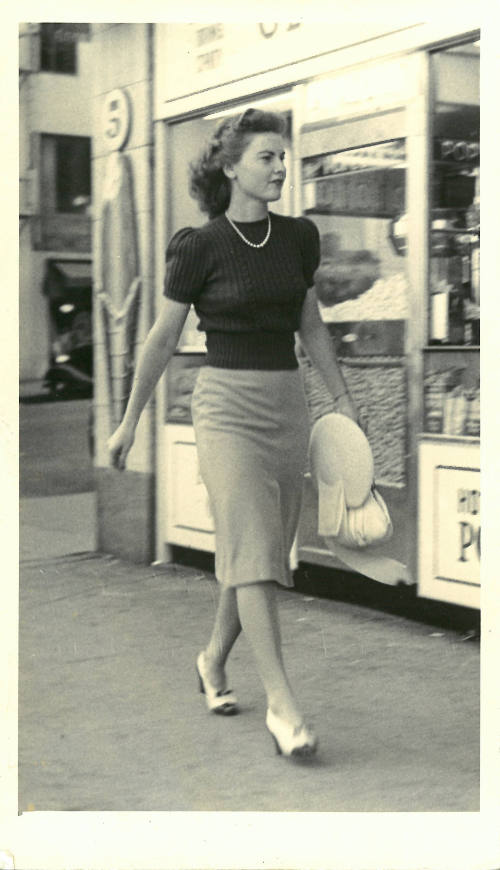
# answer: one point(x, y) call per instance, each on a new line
point(248, 300)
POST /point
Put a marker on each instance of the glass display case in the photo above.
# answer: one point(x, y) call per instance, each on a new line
point(357, 197)
point(395, 197)
point(449, 521)
point(451, 377)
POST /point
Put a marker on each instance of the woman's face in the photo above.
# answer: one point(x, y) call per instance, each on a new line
point(260, 171)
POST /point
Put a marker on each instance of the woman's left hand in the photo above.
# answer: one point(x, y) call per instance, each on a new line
point(344, 405)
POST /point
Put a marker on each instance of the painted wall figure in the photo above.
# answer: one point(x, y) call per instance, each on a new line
point(119, 293)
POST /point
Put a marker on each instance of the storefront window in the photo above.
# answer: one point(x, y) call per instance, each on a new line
point(357, 199)
point(66, 173)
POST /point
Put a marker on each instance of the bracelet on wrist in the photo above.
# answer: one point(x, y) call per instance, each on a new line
point(336, 398)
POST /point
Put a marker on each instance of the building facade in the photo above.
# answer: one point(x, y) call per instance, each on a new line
point(55, 120)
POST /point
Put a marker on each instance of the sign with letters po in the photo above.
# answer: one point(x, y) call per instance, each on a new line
point(450, 521)
point(457, 539)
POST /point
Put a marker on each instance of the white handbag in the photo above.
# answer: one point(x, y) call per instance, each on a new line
point(352, 527)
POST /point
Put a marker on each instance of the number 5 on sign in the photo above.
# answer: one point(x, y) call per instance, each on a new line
point(116, 119)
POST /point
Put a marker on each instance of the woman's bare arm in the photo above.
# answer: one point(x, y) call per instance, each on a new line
point(319, 347)
point(159, 347)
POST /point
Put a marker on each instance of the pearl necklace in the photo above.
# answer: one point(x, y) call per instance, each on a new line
point(253, 244)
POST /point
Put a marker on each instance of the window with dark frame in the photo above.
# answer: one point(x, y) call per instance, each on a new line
point(67, 178)
point(73, 173)
point(57, 49)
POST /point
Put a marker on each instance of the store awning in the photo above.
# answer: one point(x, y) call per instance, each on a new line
point(64, 275)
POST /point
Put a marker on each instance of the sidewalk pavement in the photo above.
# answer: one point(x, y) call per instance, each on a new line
point(53, 526)
point(110, 717)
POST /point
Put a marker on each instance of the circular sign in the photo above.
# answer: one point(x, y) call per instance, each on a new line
point(116, 118)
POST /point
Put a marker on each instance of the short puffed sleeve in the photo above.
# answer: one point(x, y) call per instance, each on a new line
point(310, 248)
point(186, 266)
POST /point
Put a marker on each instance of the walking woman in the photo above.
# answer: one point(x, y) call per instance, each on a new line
point(249, 274)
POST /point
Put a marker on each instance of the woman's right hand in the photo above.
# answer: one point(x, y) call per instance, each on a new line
point(119, 445)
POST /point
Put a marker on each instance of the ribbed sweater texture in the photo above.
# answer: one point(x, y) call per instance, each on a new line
point(248, 300)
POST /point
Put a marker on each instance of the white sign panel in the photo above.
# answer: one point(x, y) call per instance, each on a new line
point(457, 537)
point(198, 64)
point(200, 56)
point(450, 521)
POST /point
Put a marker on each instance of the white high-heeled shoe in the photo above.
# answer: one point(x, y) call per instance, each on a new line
point(222, 701)
point(297, 741)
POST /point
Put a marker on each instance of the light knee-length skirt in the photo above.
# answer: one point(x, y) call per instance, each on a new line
point(252, 434)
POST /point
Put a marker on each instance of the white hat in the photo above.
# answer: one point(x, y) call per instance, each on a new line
point(339, 451)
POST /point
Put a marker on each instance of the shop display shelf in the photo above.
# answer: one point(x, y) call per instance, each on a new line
point(456, 231)
point(386, 215)
point(443, 436)
point(451, 347)
point(374, 168)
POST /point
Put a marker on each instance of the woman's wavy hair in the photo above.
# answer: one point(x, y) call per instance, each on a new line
point(208, 182)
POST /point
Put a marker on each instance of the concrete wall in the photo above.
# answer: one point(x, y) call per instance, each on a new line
point(122, 58)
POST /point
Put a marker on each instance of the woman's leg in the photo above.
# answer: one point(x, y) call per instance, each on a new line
point(258, 612)
point(226, 629)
